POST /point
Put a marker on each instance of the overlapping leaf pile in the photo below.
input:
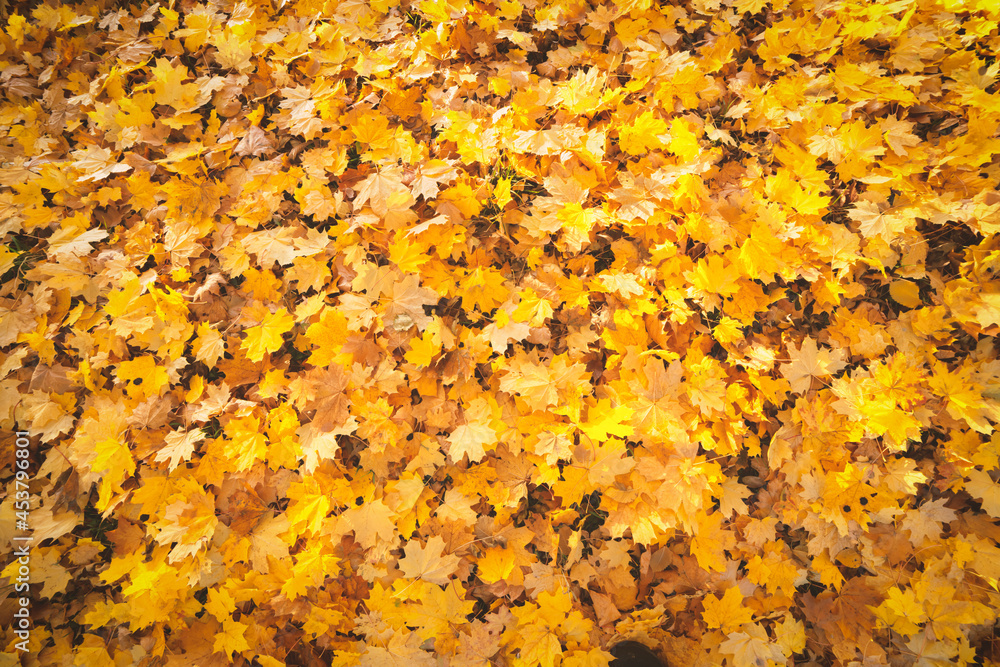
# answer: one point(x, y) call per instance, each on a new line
point(463, 332)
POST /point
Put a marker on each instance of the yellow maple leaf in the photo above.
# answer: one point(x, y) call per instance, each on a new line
point(267, 336)
point(144, 376)
point(309, 506)
point(606, 419)
point(713, 277)
point(752, 647)
point(710, 542)
point(115, 463)
point(220, 603)
point(683, 140)
point(371, 523)
point(423, 350)
point(232, 638)
point(484, 289)
point(982, 487)
point(428, 561)
point(209, 346)
point(642, 134)
point(810, 362)
point(790, 635)
point(178, 446)
point(726, 613)
point(901, 611)
point(470, 440)
point(496, 564)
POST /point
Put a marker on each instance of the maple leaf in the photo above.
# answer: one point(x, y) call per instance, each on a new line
point(232, 639)
point(604, 420)
point(877, 223)
point(272, 245)
point(683, 140)
point(267, 336)
point(986, 490)
point(479, 645)
point(440, 610)
point(709, 543)
point(179, 446)
point(713, 277)
point(732, 497)
point(209, 346)
point(144, 375)
point(114, 462)
point(810, 362)
point(471, 440)
point(605, 461)
point(97, 164)
point(484, 289)
point(233, 51)
point(752, 647)
point(309, 508)
point(318, 446)
point(457, 507)
point(964, 397)
point(530, 380)
point(371, 523)
point(404, 301)
point(220, 603)
point(642, 134)
point(726, 613)
point(898, 135)
point(92, 651)
point(428, 561)
point(265, 542)
point(902, 611)
point(430, 176)
point(69, 241)
point(790, 635)
point(502, 330)
point(402, 647)
point(497, 564)
point(424, 349)
point(378, 188)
